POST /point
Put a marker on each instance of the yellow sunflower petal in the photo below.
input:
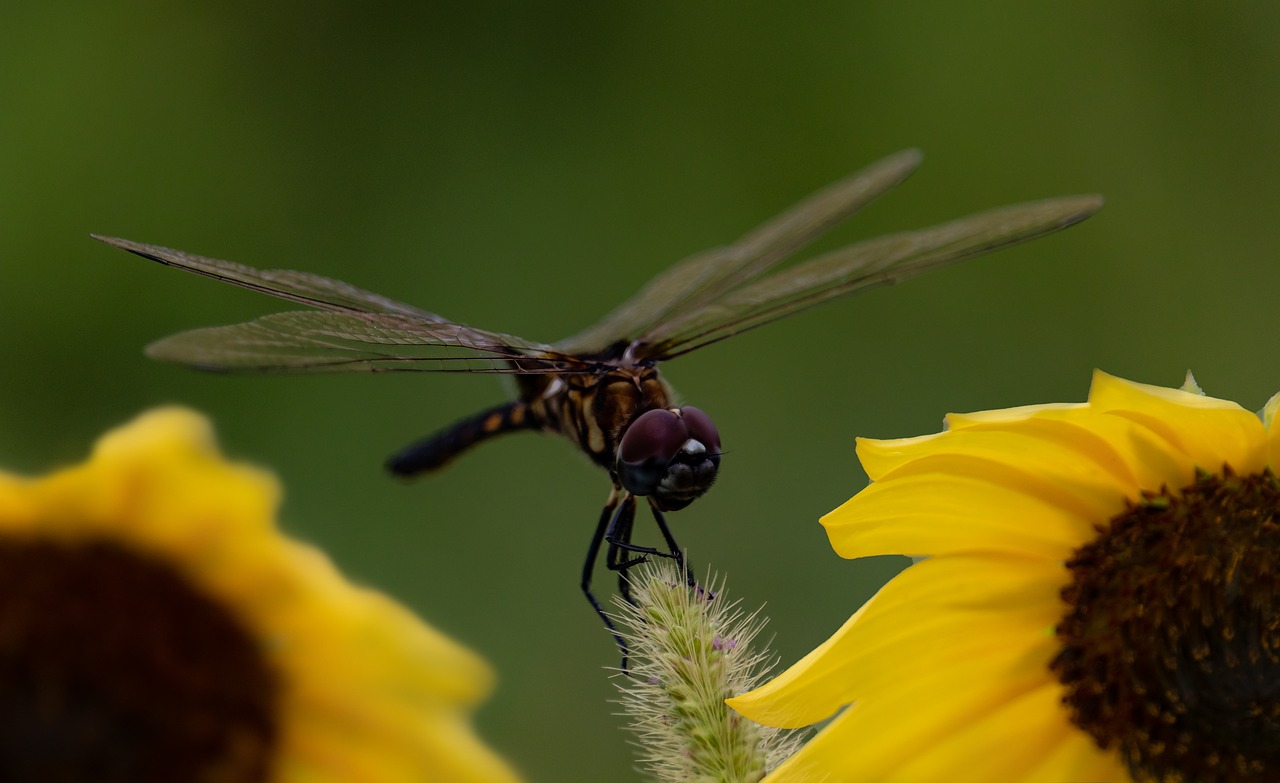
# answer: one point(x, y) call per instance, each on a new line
point(1210, 431)
point(959, 421)
point(1071, 441)
point(1077, 758)
point(967, 604)
point(981, 752)
point(1052, 473)
point(1061, 454)
point(952, 504)
point(870, 739)
point(878, 457)
point(1134, 454)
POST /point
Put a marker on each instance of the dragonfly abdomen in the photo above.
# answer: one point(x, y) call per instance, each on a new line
point(437, 450)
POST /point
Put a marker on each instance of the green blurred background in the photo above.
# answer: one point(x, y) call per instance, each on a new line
point(524, 167)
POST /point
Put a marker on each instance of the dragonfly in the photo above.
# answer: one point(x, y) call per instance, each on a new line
point(601, 388)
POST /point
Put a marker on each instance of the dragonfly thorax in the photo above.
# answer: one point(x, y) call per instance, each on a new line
point(671, 455)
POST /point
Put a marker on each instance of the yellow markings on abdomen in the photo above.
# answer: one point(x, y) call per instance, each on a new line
point(493, 423)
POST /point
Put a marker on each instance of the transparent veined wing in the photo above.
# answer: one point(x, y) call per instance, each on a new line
point(300, 287)
point(317, 341)
point(353, 331)
point(858, 267)
point(700, 280)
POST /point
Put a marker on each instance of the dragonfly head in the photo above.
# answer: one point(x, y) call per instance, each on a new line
point(670, 455)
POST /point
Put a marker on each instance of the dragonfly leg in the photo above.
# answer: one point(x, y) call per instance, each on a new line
point(617, 520)
point(618, 535)
point(606, 521)
point(675, 551)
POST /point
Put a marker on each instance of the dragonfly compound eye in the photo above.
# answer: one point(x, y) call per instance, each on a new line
point(670, 455)
point(700, 428)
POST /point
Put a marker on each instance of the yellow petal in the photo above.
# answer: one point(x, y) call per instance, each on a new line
point(1078, 758)
point(981, 752)
point(1210, 431)
point(959, 421)
point(1067, 440)
point(871, 738)
point(961, 505)
point(878, 457)
point(1131, 452)
point(1048, 449)
point(934, 613)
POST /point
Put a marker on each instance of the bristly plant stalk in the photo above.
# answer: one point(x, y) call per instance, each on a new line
point(691, 648)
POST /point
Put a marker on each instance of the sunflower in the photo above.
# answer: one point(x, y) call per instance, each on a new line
point(1099, 601)
point(156, 627)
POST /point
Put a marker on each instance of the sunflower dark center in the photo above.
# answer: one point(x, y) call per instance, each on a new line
point(1171, 644)
point(115, 669)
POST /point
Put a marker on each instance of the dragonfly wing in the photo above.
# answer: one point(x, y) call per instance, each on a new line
point(700, 280)
point(310, 341)
point(864, 265)
point(300, 287)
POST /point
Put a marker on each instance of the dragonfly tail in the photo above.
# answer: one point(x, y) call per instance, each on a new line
point(437, 450)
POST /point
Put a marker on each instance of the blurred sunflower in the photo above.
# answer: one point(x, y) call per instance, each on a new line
point(156, 627)
point(1100, 601)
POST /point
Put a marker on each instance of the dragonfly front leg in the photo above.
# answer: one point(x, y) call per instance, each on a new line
point(588, 568)
point(674, 548)
point(618, 535)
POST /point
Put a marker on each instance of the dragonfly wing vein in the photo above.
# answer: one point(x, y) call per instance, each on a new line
point(865, 265)
point(300, 287)
point(699, 280)
point(309, 341)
